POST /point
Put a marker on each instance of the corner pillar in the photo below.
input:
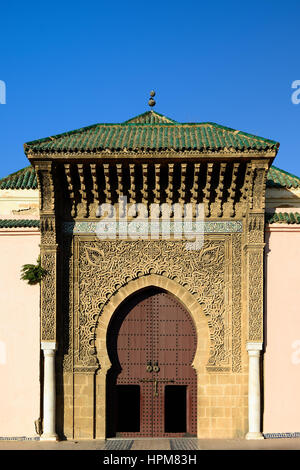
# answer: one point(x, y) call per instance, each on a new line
point(254, 391)
point(49, 409)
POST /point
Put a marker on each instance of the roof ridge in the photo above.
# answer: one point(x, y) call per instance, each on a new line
point(152, 113)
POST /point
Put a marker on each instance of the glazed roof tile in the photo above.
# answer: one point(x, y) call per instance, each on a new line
point(19, 223)
point(154, 132)
point(282, 179)
point(22, 179)
point(283, 218)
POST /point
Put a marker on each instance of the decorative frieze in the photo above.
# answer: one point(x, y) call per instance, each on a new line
point(105, 227)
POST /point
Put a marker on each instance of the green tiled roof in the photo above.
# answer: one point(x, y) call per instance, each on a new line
point(283, 218)
point(282, 179)
point(20, 223)
point(22, 179)
point(151, 131)
point(26, 179)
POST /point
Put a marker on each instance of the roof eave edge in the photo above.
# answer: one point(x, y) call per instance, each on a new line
point(32, 157)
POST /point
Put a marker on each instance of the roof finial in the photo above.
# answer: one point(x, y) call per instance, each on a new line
point(152, 102)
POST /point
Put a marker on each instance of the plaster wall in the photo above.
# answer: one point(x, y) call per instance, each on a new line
point(19, 335)
point(282, 330)
point(14, 203)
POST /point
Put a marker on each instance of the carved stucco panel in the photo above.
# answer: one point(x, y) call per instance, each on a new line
point(255, 294)
point(68, 302)
point(102, 267)
point(46, 188)
point(48, 297)
point(256, 227)
point(236, 302)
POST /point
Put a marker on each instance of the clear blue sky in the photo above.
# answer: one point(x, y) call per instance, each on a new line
point(71, 64)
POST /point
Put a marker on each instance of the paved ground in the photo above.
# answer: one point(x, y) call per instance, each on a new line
point(156, 444)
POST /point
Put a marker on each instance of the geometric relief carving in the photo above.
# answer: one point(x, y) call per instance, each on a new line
point(259, 186)
point(48, 230)
point(67, 299)
point(255, 294)
point(48, 250)
point(48, 297)
point(236, 303)
point(255, 236)
point(46, 187)
point(103, 267)
point(256, 225)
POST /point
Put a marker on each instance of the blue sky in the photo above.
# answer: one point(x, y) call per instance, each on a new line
point(71, 64)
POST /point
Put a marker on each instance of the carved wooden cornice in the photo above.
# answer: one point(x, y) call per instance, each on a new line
point(228, 189)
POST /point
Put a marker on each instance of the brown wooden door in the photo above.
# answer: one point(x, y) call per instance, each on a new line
point(152, 386)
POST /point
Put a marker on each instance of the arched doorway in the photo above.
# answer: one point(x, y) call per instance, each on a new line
point(151, 386)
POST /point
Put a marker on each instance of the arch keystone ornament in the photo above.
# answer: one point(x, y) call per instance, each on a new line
point(151, 159)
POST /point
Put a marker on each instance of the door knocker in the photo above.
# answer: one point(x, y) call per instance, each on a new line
point(149, 367)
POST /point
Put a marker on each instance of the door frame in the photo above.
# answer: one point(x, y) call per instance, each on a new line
point(191, 305)
point(153, 307)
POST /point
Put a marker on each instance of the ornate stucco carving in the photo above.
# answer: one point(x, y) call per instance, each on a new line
point(236, 302)
point(46, 186)
point(254, 251)
point(255, 293)
point(48, 231)
point(44, 171)
point(256, 227)
point(68, 302)
point(260, 170)
point(254, 281)
point(103, 267)
point(48, 297)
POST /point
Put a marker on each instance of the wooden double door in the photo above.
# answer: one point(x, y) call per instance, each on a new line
point(151, 387)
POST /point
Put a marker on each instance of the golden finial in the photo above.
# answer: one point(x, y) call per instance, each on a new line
point(152, 102)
